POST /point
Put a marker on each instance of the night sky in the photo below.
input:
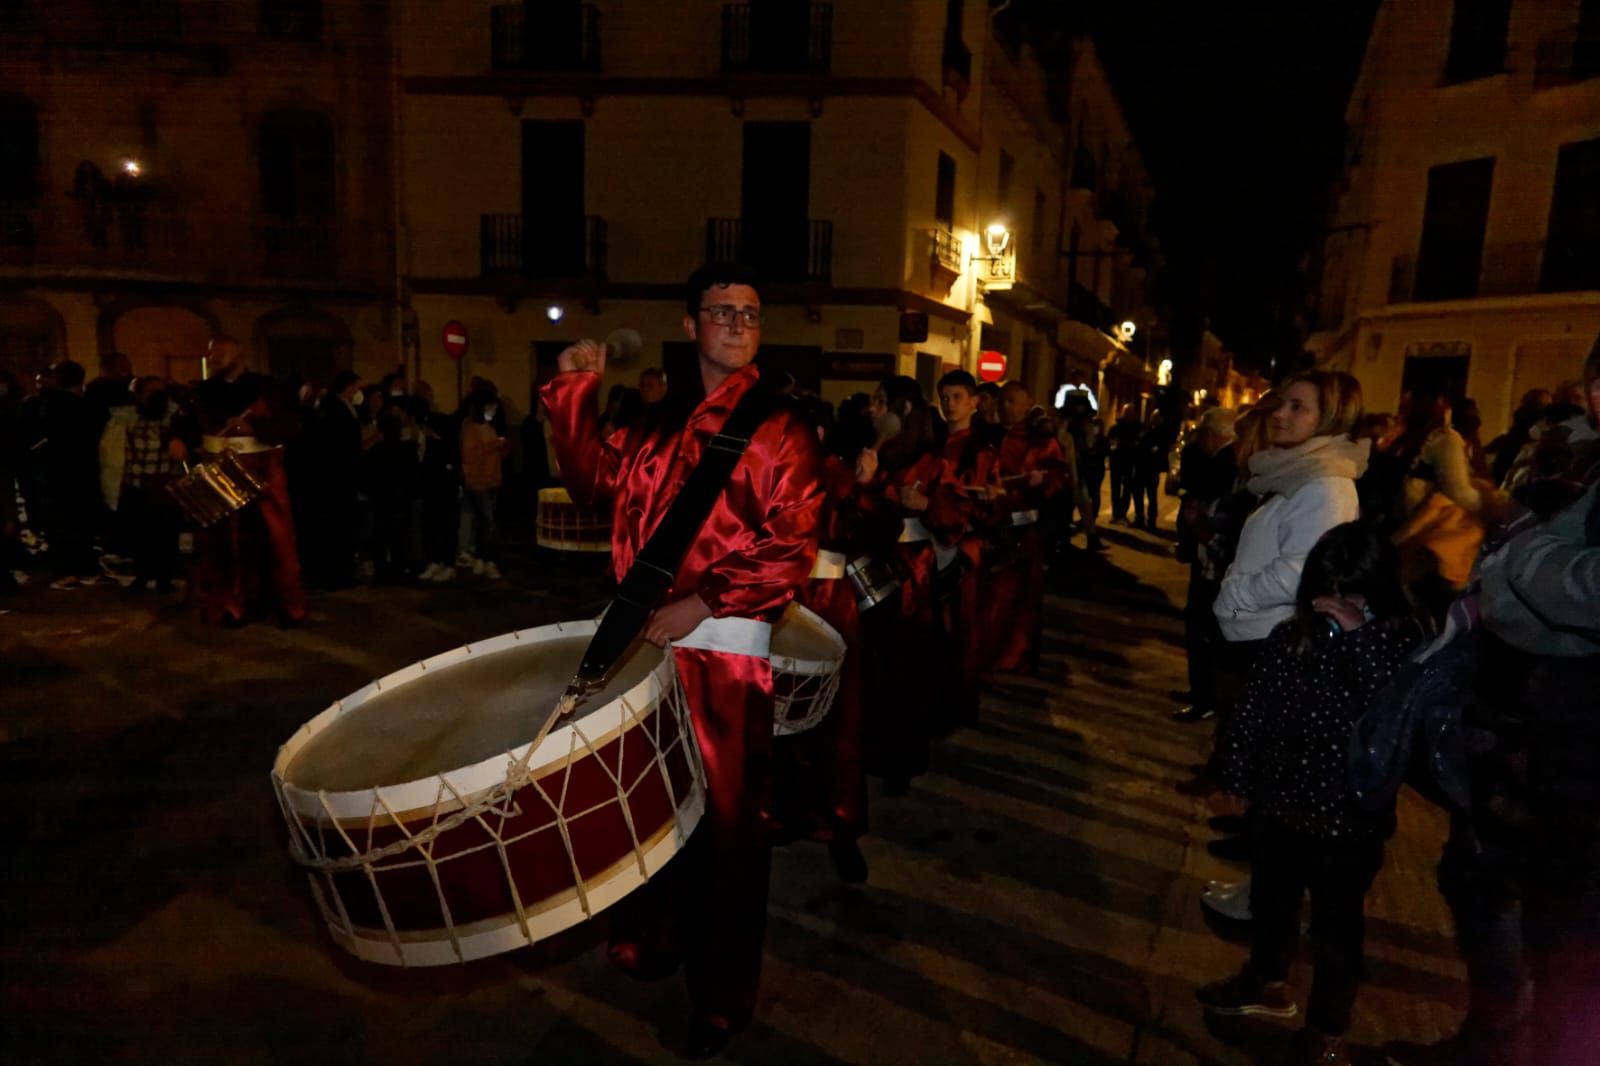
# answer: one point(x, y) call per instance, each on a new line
point(1238, 109)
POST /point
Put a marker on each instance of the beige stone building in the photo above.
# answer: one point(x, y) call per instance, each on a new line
point(565, 165)
point(175, 169)
point(1464, 245)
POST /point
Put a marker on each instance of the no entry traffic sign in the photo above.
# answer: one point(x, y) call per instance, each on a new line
point(455, 339)
point(991, 366)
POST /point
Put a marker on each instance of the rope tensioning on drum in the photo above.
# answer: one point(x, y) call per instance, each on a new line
point(305, 848)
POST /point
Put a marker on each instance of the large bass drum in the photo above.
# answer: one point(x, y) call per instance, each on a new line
point(434, 828)
point(563, 525)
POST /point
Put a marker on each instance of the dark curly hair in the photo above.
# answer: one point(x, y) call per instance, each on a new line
point(1352, 559)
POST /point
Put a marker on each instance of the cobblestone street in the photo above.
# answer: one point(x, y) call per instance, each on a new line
point(1034, 897)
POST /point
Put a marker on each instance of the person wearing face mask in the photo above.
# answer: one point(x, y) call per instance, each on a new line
point(141, 450)
point(1306, 481)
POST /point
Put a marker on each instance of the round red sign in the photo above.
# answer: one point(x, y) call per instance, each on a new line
point(455, 339)
point(991, 366)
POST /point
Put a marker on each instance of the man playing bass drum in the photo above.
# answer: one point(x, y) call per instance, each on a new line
point(755, 549)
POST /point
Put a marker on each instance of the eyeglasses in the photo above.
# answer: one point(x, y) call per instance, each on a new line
point(723, 315)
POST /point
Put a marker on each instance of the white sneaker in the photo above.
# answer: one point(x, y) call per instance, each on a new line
point(464, 559)
point(479, 566)
point(446, 573)
point(429, 572)
point(491, 571)
point(19, 576)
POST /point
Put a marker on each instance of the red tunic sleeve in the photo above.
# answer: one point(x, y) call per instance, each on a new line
point(589, 463)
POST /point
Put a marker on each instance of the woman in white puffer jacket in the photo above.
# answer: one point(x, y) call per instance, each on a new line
point(1308, 483)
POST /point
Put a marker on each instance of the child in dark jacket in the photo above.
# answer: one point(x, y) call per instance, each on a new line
point(1285, 749)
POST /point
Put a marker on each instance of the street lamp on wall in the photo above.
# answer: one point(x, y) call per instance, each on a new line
point(1000, 265)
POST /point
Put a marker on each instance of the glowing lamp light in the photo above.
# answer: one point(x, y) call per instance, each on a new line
point(998, 238)
point(1127, 330)
point(132, 167)
point(1164, 373)
point(554, 312)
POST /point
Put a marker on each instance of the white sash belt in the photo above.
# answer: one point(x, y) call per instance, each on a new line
point(735, 636)
point(217, 445)
point(829, 567)
point(1024, 518)
point(913, 531)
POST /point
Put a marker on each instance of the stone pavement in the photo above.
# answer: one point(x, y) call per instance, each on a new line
point(1034, 898)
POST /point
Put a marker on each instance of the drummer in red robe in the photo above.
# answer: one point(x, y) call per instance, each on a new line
point(821, 787)
point(901, 478)
point(248, 561)
point(960, 516)
point(758, 545)
point(1033, 470)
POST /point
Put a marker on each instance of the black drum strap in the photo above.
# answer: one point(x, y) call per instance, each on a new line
point(656, 566)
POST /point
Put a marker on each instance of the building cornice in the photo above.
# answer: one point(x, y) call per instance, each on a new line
point(103, 283)
point(1544, 301)
point(771, 295)
point(589, 88)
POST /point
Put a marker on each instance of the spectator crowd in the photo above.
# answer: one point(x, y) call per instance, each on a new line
point(1380, 600)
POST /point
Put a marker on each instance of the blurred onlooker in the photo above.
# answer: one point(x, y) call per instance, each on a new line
point(1089, 450)
point(1382, 488)
point(66, 450)
point(441, 486)
point(652, 385)
point(337, 465)
point(141, 451)
point(623, 408)
point(1206, 473)
point(1441, 518)
point(1506, 447)
point(393, 479)
point(1149, 462)
point(1539, 597)
point(1467, 420)
point(1123, 439)
point(11, 454)
point(483, 452)
point(989, 401)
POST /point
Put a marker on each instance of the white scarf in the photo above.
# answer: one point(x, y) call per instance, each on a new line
point(1282, 470)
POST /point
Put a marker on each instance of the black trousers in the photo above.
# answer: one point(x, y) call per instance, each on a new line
point(1202, 639)
point(152, 523)
point(1337, 873)
point(1121, 491)
point(1146, 493)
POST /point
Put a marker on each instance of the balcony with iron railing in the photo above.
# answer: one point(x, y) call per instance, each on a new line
point(1518, 268)
point(1565, 57)
point(947, 249)
point(799, 252)
point(527, 37)
point(576, 248)
point(777, 38)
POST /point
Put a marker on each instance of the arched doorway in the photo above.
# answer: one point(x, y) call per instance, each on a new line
point(163, 340)
point(304, 344)
point(32, 336)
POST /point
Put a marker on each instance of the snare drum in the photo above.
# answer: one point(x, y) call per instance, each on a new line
point(435, 831)
point(209, 492)
point(806, 656)
point(564, 526)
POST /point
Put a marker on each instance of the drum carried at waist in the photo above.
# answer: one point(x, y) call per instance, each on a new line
point(806, 656)
point(210, 491)
point(440, 821)
point(565, 526)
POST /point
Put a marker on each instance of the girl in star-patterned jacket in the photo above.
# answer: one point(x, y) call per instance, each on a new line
point(1285, 750)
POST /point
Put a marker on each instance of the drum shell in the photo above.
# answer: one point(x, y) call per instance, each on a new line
point(562, 525)
point(549, 873)
point(804, 689)
point(874, 582)
point(211, 491)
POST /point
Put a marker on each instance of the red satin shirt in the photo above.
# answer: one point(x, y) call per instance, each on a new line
point(760, 541)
